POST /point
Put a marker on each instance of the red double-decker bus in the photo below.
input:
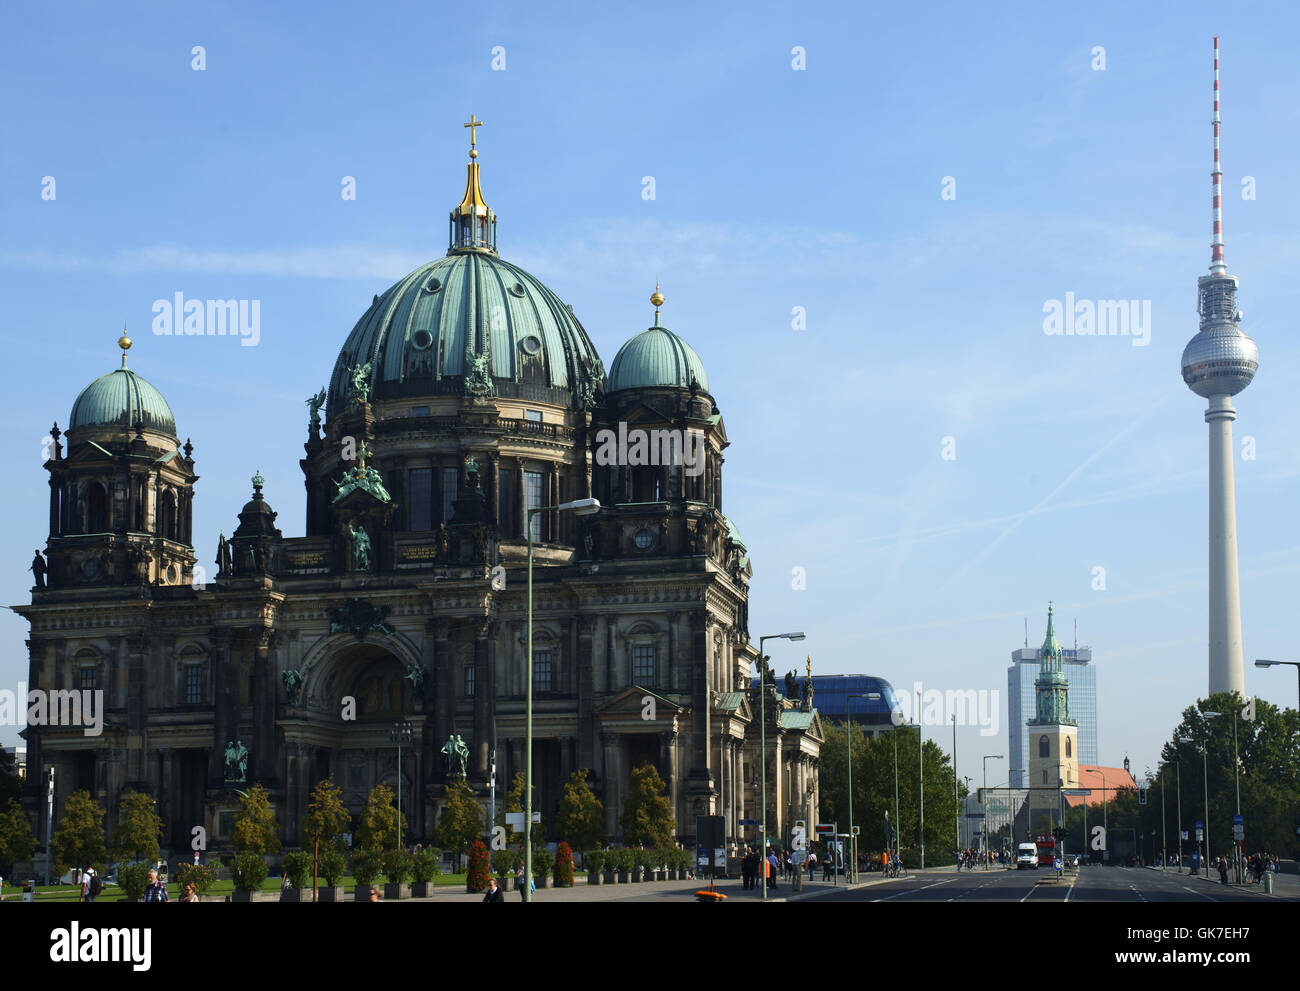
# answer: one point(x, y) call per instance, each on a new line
point(1046, 851)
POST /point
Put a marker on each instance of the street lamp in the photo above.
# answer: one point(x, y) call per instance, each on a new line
point(762, 746)
point(960, 845)
point(848, 731)
point(984, 834)
point(579, 507)
point(1105, 817)
point(1205, 780)
point(1271, 664)
point(400, 734)
point(1011, 815)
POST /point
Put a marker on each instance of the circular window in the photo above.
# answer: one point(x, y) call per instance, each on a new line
point(517, 289)
point(172, 576)
point(432, 286)
point(643, 539)
point(530, 345)
point(421, 340)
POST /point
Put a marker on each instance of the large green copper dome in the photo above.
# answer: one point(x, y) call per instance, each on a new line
point(122, 399)
point(656, 358)
point(415, 335)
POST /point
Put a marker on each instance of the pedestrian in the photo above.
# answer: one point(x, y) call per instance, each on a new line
point(1223, 871)
point(156, 891)
point(520, 880)
point(773, 866)
point(494, 893)
point(812, 865)
point(92, 884)
point(828, 861)
point(190, 895)
point(374, 893)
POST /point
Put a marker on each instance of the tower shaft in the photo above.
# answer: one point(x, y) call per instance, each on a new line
point(1225, 654)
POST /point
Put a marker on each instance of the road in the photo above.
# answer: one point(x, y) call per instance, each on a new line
point(1093, 884)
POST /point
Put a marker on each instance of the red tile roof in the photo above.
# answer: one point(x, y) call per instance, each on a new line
point(1092, 776)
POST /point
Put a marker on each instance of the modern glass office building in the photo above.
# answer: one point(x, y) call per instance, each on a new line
point(1082, 677)
point(831, 697)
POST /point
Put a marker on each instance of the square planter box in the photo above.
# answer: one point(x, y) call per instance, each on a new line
point(595, 877)
point(621, 877)
point(362, 892)
point(295, 895)
point(659, 876)
point(609, 877)
point(254, 896)
point(544, 882)
point(397, 891)
point(506, 883)
point(334, 894)
point(636, 876)
point(423, 889)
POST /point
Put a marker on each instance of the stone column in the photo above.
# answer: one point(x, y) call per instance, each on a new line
point(225, 703)
point(584, 674)
point(484, 694)
point(612, 779)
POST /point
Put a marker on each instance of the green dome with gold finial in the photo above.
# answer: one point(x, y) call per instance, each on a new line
point(122, 399)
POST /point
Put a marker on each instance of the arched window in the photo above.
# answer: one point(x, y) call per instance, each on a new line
point(167, 516)
point(1069, 751)
point(1044, 746)
point(96, 508)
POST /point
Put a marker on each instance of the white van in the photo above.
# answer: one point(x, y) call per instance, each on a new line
point(1026, 856)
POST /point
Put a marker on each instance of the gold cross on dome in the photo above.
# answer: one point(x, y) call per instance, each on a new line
point(473, 124)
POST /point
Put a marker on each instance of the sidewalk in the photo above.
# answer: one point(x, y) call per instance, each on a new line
point(675, 891)
point(1284, 885)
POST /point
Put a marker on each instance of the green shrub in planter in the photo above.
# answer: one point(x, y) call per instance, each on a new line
point(626, 860)
point(133, 879)
point(503, 862)
point(366, 865)
point(595, 861)
point(331, 867)
point(427, 864)
point(202, 876)
point(563, 866)
point(399, 866)
point(298, 866)
point(250, 872)
point(543, 861)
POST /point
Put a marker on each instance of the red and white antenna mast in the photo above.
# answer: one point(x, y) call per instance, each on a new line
point(1217, 265)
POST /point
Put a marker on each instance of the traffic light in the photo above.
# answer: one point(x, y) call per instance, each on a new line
point(1060, 832)
point(1142, 795)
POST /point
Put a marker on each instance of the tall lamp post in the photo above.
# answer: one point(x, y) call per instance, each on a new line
point(848, 729)
point(1011, 813)
point(1205, 780)
point(1271, 664)
point(762, 746)
point(956, 811)
point(1105, 818)
point(960, 845)
point(401, 735)
point(579, 507)
point(985, 834)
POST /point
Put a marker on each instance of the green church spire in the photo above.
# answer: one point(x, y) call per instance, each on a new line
point(1051, 690)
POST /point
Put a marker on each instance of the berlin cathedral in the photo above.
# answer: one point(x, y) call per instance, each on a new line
point(462, 411)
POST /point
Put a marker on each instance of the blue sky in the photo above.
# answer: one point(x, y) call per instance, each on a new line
point(775, 189)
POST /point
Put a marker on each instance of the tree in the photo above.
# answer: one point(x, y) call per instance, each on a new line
point(11, 785)
point(256, 830)
point(461, 822)
point(327, 817)
point(79, 839)
point(377, 827)
point(580, 815)
point(139, 828)
point(647, 813)
point(16, 839)
point(515, 803)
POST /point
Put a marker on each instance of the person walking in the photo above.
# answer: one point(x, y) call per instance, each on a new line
point(189, 895)
point(1223, 870)
point(493, 893)
point(771, 865)
point(155, 891)
point(812, 865)
point(521, 880)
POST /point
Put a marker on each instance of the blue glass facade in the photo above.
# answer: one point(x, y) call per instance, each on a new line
point(831, 698)
point(1081, 675)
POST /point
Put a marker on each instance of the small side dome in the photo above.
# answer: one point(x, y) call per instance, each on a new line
point(656, 359)
point(122, 399)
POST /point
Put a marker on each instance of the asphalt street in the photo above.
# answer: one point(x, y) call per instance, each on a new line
point(1091, 884)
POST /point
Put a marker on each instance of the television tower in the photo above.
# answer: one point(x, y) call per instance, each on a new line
point(1218, 363)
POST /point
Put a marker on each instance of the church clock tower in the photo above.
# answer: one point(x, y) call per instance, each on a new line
point(1053, 737)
